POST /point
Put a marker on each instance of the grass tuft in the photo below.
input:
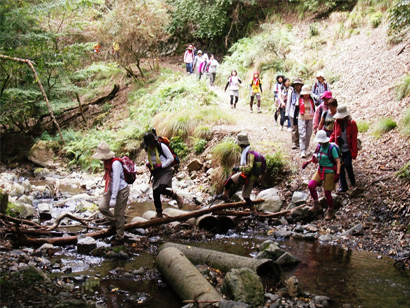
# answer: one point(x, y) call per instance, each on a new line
point(226, 154)
point(383, 126)
point(403, 89)
point(404, 172)
point(363, 126)
point(405, 123)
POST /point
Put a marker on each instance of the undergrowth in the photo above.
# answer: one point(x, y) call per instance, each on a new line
point(404, 172)
point(383, 126)
point(363, 126)
point(405, 123)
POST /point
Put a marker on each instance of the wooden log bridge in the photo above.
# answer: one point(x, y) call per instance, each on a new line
point(184, 278)
point(24, 240)
point(269, 270)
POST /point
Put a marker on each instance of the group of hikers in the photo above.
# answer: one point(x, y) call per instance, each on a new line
point(200, 63)
point(307, 109)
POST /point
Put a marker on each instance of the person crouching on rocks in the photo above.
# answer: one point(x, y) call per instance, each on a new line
point(159, 162)
point(251, 167)
point(327, 155)
point(116, 191)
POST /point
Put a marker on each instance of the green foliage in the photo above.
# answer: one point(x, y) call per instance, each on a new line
point(327, 6)
point(376, 19)
point(383, 126)
point(12, 210)
point(199, 145)
point(203, 132)
point(403, 90)
point(226, 154)
point(275, 163)
point(313, 29)
point(178, 144)
point(404, 172)
point(405, 123)
point(363, 126)
point(399, 18)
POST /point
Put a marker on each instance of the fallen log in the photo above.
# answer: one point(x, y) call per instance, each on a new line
point(269, 270)
point(61, 241)
point(258, 214)
point(184, 277)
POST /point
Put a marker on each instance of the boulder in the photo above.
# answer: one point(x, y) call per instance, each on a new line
point(41, 154)
point(27, 186)
point(17, 190)
point(138, 219)
point(300, 214)
point(272, 202)
point(33, 274)
point(41, 172)
point(44, 211)
point(194, 165)
point(25, 199)
point(24, 210)
point(244, 285)
point(299, 197)
point(356, 230)
point(269, 250)
point(292, 284)
point(86, 244)
point(4, 200)
point(287, 260)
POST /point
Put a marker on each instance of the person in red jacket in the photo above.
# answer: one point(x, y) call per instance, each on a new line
point(345, 136)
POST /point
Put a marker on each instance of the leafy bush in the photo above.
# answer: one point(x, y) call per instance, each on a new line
point(403, 90)
point(178, 144)
point(399, 19)
point(363, 126)
point(226, 154)
point(203, 132)
point(404, 172)
point(199, 145)
point(383, 126)
point(405, 123)
point(275, 163)
point(313, 30)
point(376, 19)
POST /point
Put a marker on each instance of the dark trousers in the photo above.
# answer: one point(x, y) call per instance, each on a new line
point(282, 116)
point(161, 190)
point(347, 167)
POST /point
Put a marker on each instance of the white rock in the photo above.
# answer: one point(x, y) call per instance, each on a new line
point(272, 202)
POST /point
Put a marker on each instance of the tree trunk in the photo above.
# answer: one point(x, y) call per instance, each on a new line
point(269, 270)
point(184, 278)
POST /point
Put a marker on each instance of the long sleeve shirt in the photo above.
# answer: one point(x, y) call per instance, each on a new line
point(166, 160)
point(292, 102)
point(188, 57)
point(117, 181)
point(318, 89)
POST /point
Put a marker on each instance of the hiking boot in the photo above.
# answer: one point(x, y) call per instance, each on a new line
point(316, 207)
point(251, 111)
point(330, 214)
point(179, 199)
point(341, 190)
point(259, 110)
point(303, 154)
point(159, 214)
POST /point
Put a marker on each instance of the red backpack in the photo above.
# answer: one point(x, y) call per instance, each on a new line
point(165, 141)
point(129, 167)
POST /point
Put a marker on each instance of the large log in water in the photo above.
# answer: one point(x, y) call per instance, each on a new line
point(269, 270)
point(184, 278)
point(29, 241)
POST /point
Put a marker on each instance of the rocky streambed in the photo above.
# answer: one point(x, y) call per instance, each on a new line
point(320, 269)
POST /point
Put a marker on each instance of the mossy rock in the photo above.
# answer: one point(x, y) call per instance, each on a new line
point(42, 153)
point(33, 274)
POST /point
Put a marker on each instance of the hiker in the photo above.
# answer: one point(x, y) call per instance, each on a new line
point(319, 87)
point(327, 156)
point(277, 88)
point(252, 165)
point(159, 163)
point(326, 96)
point(198, 60)
point(233, 84)
point(345, 136)
point(282, 99)
point(189, 59)
point(116, 191)
point(212, 65)
point(256, 90)
point(292, 110)
point(305, 121)
point(327, 122)
point(202, 66)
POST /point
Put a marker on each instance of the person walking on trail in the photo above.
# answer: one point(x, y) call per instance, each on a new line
point(116, 191)
point(198, 60)
point(319, 87)
point(212, 65)
point(305, 122)
point(256, 90)
point(327, 122)
point(345, 136)
point(326, 96)
point(282, 99)
point(252, 165)
point(189, 59)
point(292, 110)
point(159, 163)
point(202, 66)
point(327, 156)
point(233, 84)
point(277, 92)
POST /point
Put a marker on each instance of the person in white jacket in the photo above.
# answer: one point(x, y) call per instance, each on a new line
point(212, 65)
point(189, 59)
point(233, 84)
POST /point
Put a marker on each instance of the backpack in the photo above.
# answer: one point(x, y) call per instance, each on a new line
point(259, 165)
point(315, 86)
point(130, 169)
point(165, 141)
point(329, 152)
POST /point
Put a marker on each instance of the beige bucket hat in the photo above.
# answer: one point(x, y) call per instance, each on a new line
point(242, 139)
point(103, 152)
point(341, 112)
point(321, 137)
point(305, 90)
point(320, 74)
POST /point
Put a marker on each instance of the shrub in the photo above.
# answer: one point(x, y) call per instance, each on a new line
point(383, 126)
point(313, 30)
point(405, 123)
point(203, 132)
point(403, 89)
point(363, 126)
point(179, 146)
point(226, 154)
point(376, 19)
point(275, 163)
point(199, 145)
point(404, 172)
